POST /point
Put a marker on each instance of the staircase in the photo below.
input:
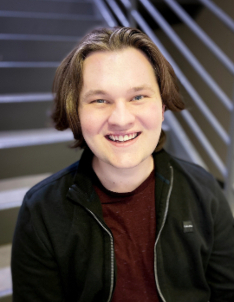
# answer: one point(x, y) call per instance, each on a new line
point(35, 35)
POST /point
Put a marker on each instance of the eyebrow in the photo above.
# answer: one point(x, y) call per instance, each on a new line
point(94, 92)
point(138, 88)
point(102, 92)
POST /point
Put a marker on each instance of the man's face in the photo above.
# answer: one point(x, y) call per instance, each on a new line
point(120, 108)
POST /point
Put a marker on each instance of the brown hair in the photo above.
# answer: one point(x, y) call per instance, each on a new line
point(68, 78)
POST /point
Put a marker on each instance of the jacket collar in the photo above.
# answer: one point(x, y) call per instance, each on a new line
point(83, 193)
point(163, 184)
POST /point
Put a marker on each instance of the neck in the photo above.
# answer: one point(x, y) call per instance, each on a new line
point(122, 180)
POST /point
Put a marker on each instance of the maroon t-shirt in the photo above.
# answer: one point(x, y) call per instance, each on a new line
point(131, 218)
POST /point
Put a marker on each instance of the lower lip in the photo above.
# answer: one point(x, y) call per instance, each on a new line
point(124, 144)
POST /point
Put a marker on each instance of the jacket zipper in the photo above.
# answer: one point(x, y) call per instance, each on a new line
point(112, 253)
point(160, 231)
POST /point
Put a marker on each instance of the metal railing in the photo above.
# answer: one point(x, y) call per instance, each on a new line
point(125, 13)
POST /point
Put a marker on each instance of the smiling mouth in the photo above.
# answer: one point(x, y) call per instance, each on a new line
point(123, 138)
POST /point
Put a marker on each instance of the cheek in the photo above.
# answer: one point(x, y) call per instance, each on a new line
point(86, 122)
point(153, 117)
point(91, 122)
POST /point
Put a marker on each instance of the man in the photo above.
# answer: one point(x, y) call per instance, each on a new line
point(126, 222)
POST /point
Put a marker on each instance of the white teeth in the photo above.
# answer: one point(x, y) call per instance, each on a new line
point(122, 138)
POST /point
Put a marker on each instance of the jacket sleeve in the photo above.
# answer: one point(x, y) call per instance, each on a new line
point(220, 271)
point(35, 274)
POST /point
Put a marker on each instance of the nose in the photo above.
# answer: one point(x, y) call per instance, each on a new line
point(121, 115)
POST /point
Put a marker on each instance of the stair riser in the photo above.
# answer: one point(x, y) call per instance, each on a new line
point(20, 80)
point(7, 224)
point(42, 26)
point(81, 8)
point(33, 160)
point(34, 51)
point(20, 116)
point(6, 299)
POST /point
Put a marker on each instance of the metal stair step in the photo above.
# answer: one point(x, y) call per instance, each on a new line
point(47, 24)
point(36, 37)
point(5, 273)
point(77, 7)
point(10, 202)
point(11, 199)
point(13, 190)
point(8, 218)
point(5, 257)
point(25, 111)
point(47, 15)
point(18, 183)
point(5, 285)
point(37, 159)
point(37, 78)
point(34, 50)
point(25, 97)
point(23, 138)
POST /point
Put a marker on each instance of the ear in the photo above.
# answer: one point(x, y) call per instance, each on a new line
point(163, 111)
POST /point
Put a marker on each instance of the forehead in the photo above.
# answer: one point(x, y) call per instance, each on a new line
point(121, 54)
point(123, 68)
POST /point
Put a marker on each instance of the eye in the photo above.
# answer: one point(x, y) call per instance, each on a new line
point(99, 101)
point(138, 97)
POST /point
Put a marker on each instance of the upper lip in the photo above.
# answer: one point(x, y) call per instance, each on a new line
point(119, 134)
point(121, 137)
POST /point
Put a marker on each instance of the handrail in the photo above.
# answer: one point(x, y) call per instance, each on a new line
point(219, 13)
point(106, 13)
point(204, 142)
point(226, 169)
point(171, 123)
point(185, 82)
point(188, 54)
point(229, 187)
point(201, 35)
point(185, 114)
point(123, 20)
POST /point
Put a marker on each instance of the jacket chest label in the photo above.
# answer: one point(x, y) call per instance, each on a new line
point(188, 226)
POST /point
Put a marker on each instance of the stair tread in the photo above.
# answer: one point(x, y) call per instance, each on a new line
point(5, 256)
point(35, 37)
point(21, 182)
point(25, 97)
point(12, 191)
point(61, 26)
point(22, 138)
point(5, 281)
point(79, 7)
point(20, 64)
point(39, 15)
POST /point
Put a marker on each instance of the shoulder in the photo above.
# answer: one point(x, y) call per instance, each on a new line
point(191, 180)
point(193, 171)
point(182, 169)
point(197, 194)
point(46, 206)
point(54, 187)
point(194, 181)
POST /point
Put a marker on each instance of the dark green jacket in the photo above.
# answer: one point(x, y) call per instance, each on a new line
point(63, 250)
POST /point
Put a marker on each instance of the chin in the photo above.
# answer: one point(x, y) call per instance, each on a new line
point(126, 163)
